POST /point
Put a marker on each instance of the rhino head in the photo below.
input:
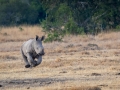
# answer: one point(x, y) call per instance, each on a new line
point(38, 47)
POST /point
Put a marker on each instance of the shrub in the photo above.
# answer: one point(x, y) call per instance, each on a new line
point(72, 28)
point(53, 36)
point(118, 28)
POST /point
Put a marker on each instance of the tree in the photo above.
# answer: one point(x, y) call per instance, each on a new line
point(16, 12)
point(90, 15)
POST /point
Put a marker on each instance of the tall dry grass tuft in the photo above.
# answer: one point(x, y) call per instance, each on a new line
point(109, 40)
point(76, 38)
point(19, 33)
point(109, 36)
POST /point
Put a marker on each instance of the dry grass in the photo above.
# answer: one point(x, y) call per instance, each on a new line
point(109, 36)
point(19, 33)
point(77, 38)
point(77, 63)
point(25, 32)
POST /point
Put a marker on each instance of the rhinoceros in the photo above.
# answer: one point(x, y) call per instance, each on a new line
point(32, 51)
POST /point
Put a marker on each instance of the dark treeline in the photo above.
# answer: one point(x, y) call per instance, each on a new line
point(16, 12)
point(66, 16)
point(82, 16)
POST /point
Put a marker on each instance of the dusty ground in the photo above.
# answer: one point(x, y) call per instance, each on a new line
point(74, 64)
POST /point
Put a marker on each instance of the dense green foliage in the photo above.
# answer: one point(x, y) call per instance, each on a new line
point(81, 16)
point(16, 12)
point(89, 15)
point(63, 16)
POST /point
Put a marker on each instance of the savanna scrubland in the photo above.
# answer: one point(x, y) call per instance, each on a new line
point(78, 62)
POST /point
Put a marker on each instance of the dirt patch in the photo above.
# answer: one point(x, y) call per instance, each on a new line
point(117, 74)
point(30, 82)
point(78, 88)
point(95, 74)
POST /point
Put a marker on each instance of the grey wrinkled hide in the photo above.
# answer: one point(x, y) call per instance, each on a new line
point(32, 51)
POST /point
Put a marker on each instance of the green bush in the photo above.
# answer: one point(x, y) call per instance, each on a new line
point(53, 36)
point(118, 28)
point(72, 28)
point(80, 30)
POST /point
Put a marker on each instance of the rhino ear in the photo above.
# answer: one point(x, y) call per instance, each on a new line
point(37, 37)
point(42, 38)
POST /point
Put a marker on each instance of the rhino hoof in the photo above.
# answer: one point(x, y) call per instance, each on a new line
point(27, 66)
point(35, 64)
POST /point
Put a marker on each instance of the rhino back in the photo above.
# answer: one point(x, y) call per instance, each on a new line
point(27, 46)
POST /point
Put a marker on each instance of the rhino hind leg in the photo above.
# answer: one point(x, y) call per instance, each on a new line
point(34, 64)
point(39, 60)
point(31, 60)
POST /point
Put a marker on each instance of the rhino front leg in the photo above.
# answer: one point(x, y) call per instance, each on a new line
point(39, 60)
point(32, 62)
point(27, 65)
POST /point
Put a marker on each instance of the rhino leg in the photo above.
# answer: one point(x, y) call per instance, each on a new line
point(39, 60)
point(31, 60)
point(27, 65)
